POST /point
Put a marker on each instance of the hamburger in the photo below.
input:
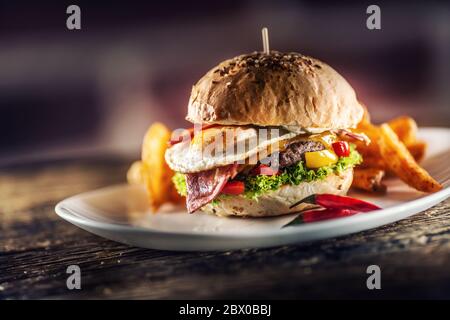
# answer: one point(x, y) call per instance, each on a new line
point(269, 131)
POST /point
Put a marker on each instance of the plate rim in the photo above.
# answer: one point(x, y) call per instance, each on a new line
point(374, 218)
point(362, 218)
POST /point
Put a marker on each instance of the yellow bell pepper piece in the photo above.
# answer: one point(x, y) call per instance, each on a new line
point(319, 159)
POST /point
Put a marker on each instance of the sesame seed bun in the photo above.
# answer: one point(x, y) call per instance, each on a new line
point(276, 89)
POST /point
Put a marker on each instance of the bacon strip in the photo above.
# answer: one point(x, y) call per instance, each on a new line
point(357, 136)
point(203, 187)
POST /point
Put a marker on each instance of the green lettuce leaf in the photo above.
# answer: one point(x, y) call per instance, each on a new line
point(255, 186)
point(179, 180)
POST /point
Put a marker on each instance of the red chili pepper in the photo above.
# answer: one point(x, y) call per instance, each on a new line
point(233, 188)
point(338, 202)
point(320, 215)
point(264, 170)
point(326, 214)
point(341, 148)
point(190, 133)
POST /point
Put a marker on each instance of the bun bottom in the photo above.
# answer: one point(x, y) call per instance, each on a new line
point(275, 203)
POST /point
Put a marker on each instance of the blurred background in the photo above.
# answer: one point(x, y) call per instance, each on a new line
point(133, 62)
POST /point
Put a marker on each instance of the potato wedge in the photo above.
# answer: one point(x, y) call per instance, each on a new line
point(371, 131)
point(417, 150)
point(371, 152)
point(373, 161)
point(398, 159)
point(405, 128)
point(368, 179)
point(157, 174)
point(135, 174)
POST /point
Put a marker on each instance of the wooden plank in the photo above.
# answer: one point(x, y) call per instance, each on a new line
point(36, 247)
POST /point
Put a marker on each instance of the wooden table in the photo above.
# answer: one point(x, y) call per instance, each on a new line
point(36, 246)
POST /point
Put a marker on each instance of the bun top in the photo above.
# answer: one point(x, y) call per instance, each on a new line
point(276, 89)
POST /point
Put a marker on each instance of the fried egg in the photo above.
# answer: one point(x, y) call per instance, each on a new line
point(219, 146)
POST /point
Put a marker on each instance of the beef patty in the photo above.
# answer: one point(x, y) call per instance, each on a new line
point(296, 151)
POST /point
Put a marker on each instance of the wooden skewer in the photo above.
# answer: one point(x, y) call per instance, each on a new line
point(265, 38)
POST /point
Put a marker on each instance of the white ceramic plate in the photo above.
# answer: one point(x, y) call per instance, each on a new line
point(121, 213)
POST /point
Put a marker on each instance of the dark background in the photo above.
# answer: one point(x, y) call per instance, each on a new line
point(134, 62)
